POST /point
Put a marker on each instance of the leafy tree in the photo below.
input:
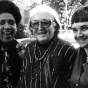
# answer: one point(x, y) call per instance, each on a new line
point(72, 4)
point(33, 5)
point(84, 2)
point(59, 5)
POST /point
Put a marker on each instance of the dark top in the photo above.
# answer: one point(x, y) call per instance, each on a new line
point(10, 65)
point(47, 67)
point(79, 77)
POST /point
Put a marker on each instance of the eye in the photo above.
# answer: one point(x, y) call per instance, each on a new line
point(2, 22)
point(84, 28)
point(74, 30)
point(34, 24)
point(46, 23)
point(11, 22)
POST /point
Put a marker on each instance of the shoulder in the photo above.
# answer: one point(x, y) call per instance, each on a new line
point(30, 46)
point(66, 44)
point(66, 50)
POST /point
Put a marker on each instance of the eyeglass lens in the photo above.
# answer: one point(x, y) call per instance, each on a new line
point(44, 24)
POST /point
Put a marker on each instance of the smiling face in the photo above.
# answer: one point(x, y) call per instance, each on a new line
point(80, 31)
point(7, 27)
point(43, 27)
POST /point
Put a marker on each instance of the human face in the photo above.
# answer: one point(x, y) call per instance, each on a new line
point(80, 32)
point(8, 27)
point(44, 32)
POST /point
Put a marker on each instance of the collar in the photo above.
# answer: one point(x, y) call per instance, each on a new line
point(8, 45)
point(45, 46)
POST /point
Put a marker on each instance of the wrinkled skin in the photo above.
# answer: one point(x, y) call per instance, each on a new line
point(43, 35)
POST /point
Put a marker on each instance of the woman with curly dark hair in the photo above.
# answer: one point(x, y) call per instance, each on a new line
point(10, 60)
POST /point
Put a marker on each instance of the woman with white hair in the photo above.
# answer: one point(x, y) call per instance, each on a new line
point(48, 60)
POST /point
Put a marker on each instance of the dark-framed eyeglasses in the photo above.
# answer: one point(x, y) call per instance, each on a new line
point(44, 24)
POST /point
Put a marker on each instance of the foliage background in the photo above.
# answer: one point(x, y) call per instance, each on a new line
point(64, 8)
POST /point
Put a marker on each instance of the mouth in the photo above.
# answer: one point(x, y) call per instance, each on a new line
point(41, 33)
point(82, 39)
point(7, 34)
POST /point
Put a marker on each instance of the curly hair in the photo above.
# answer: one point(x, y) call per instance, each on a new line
point(7, 6)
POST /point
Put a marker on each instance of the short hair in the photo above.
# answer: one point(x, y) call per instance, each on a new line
point(7, 6)
point(48, 9)
point(80, 14)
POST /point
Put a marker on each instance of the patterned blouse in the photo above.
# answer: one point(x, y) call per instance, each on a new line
point(47, 68)
point(10, 64)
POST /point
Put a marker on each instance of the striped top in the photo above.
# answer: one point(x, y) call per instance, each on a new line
point(50, 68)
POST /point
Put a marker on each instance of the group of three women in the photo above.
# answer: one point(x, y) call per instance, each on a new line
point(48, 62)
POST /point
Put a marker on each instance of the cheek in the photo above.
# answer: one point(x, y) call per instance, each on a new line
point(32, 31)
point(75, 35)
point(52, 31)
point(14, 30)
point(86, 33)
point(15, 27)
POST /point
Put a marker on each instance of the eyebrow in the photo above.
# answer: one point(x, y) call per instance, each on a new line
point(84, 26)
point(73, 28)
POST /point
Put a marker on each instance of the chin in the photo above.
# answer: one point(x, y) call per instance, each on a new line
point(7, 40)
point(43, 41)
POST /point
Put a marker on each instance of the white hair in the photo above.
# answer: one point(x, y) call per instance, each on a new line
point(46, 9)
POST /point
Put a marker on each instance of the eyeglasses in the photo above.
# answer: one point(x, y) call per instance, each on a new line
point(44, 24)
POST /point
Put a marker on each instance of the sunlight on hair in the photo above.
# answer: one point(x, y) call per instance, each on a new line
point(46, 9)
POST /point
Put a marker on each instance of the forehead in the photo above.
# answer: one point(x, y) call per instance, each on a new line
point(4, 16)
point(42, 15)
point(79, 24)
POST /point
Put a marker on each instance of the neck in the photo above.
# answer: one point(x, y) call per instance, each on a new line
point(86, 50)
point(45, 46)
point(6, 44)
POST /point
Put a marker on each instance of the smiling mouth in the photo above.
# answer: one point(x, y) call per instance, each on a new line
point(82, 40)
point(7, 34)
point(42, 33)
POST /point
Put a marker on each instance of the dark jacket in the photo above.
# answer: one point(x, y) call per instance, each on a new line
point(48, 68)
point(10, 65)
point(79, 77)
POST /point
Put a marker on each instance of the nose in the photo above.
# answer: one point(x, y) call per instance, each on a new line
point(79, 34)
point(40, 26)
point(6, 26)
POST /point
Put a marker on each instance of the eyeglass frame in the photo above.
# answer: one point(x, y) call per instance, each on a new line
point(50, 21)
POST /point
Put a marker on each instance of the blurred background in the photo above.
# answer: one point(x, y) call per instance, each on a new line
point(65, 8)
